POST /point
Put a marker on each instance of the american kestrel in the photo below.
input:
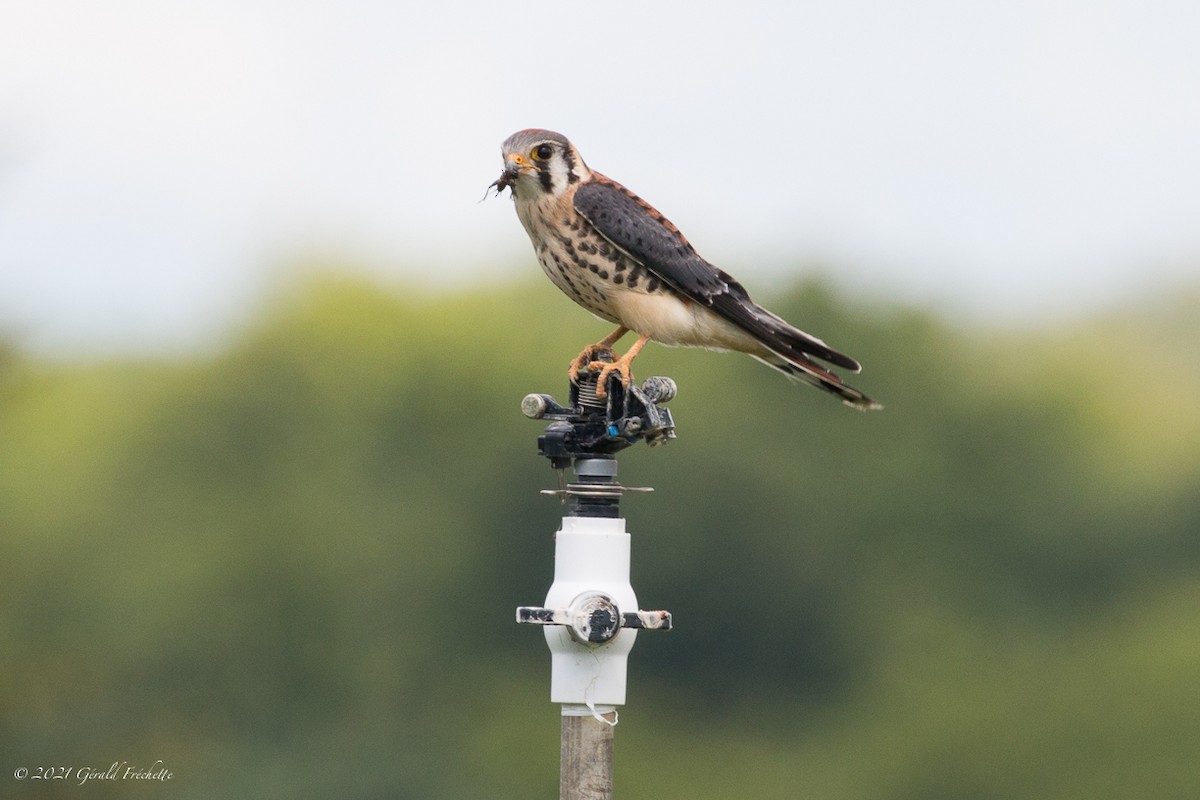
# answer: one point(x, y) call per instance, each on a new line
point(616, 256)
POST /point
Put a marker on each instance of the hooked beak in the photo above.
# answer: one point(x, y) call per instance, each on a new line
point(515, 164)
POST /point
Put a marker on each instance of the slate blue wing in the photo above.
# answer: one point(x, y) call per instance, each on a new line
point(634, 226)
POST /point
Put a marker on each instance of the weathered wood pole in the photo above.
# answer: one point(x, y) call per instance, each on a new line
point(586, 762)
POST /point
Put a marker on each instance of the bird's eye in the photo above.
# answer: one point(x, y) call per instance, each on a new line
point(542, 152)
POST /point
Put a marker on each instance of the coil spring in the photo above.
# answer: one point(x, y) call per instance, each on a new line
point(588, 398)
point(589, 385)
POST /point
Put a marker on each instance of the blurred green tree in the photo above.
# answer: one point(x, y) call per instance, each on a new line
point(288, 570)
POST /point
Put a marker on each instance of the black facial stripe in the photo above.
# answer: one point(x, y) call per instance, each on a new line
point(569, 158)
point(546, 178)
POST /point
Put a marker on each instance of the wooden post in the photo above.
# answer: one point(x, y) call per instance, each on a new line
point(586, 763)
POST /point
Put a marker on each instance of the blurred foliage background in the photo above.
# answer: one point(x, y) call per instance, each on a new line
point(288, 568)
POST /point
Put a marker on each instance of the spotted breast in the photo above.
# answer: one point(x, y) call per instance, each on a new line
point(581, 262)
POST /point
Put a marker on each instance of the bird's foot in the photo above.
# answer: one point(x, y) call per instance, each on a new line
point(587, 362)
point(623, 366)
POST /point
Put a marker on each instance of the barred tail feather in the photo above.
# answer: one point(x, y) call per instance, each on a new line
point(799, 368)
point(787, 340)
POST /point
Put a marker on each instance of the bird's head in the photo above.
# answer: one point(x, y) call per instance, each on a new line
point(538, 163)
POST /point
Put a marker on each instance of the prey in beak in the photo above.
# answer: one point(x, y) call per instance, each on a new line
point(505, 181)
point(514, 165)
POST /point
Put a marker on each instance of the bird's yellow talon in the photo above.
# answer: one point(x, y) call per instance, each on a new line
point(585, 361)
point(621, 366)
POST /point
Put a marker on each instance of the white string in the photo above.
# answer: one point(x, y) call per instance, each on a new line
point(600, 715)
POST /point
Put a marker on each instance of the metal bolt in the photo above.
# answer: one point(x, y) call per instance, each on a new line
point(596, 619)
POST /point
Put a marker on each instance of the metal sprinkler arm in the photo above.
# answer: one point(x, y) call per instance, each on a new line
point(594, 426)
point(591, 430)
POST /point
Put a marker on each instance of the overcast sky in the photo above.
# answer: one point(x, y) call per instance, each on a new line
point(162, 162)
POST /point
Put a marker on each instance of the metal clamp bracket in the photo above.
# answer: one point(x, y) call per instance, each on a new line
point(593, 618)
